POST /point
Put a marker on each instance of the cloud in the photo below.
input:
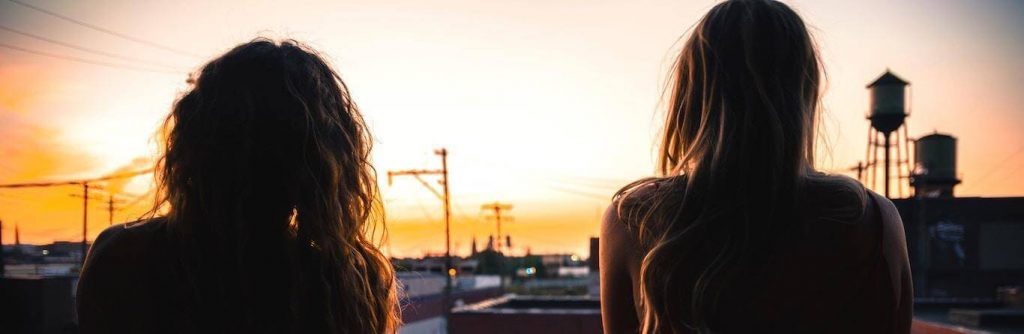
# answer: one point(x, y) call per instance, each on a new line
point(117, 186)
point(32, 151)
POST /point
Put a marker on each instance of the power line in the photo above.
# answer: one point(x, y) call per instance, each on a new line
point(89, 61)
point(77, 182)
point(108, 31)
point(139, 198)
point(85, 196)
point(995, 167)
point(460, 213)
point(566, 188)
point(426, 213)
point(86, 49)
point(445, 197)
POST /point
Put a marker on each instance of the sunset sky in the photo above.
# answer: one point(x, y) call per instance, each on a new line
point(549, 105)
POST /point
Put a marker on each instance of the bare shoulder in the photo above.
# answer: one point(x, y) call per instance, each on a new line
point(893, 232)
point(109, 242)
point(112, 276)
point(838, 199)
point(121, 242)
point(897, 260)
point(614, 232)
point(115, 259)
point(623, 218)
point(640, 196)
point(619, 267)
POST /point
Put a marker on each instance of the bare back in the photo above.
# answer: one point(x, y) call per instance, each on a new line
point(843, 277)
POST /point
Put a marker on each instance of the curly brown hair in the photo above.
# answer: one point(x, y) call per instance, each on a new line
point(267, 185)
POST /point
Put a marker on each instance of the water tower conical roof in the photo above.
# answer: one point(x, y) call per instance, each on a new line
point(887, 79)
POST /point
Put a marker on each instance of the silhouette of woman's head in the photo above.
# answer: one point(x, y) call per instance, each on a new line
point(738, 151)
point(266, 169)
point(746, 91)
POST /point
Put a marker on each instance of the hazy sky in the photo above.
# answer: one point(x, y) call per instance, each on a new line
point(549, 105)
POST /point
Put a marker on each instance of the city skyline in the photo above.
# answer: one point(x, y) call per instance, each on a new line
point(550, 106)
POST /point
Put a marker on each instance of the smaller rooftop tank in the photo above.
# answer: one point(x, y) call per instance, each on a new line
point(935, 166)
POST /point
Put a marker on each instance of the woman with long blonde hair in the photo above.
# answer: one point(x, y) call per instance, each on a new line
point(269, 197)
point(741, 234)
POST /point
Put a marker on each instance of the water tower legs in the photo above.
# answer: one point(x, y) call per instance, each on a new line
point(887, 165)
point(880, 171)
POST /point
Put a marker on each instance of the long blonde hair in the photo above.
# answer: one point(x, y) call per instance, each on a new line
point(736, 152)
point(270, 195)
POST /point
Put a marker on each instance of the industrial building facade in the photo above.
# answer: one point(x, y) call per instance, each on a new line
point(964, 247)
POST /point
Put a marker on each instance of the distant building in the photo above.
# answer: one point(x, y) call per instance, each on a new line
point(64, 252)
point(593, 261)
point(960, 249)
point(59, 259)
point(416, 284)
point(421, 293)
point(436, 264)
point(473, 250)
point(564, 265)
point(964, 247)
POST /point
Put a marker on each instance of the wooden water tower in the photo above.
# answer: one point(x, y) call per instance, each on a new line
point(888, 114)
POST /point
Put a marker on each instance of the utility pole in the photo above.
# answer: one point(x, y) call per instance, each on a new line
point(110, 210)
point(112, 205)
point(447, 223)
point(445, 197)
point(498, 208)
point(860, 171)
point(85, 219)
point(85, 213)
point(3, 270)
point(85, 195)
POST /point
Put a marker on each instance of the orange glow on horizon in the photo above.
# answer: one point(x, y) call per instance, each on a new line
point(549, 105)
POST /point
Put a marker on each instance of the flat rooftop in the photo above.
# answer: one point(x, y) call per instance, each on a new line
point(515, 304)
